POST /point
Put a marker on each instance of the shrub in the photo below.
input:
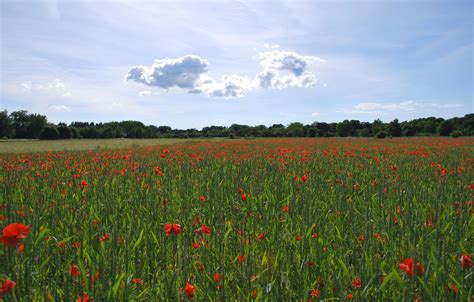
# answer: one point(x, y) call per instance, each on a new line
point(49, 132)
point(456, 134)
point(381, 134)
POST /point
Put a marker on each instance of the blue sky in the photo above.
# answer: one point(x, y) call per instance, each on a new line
point(198, 63)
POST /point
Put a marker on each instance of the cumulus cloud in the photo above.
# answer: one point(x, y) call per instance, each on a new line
point(284, 69)
point(183, 72)
point(59, 108)
point(281, 69)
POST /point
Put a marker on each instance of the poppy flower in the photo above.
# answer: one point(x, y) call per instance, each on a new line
point(202, 198)
point(465, 261)
point(172, 228)
point(216, 277)
point(314, 293)
point(260, 237)
point(21, 249)
point(189, 289)
point(241, 259)
point(407, 266)
point(298, 237)
point(419, 269)
point(84, 298)
point(356, 283)
point(104, 237)
point(12, 233)
point(349, 296)
point(7, 287)
point(285, 208)
point(204, 229)
point(314, 236)
point(83, 184)
point(74, 271)
point(137, 281)
point(243, 197)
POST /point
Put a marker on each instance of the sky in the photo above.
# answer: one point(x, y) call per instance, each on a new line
point(191, 64)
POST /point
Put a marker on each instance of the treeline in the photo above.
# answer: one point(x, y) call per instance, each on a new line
point(21, 124)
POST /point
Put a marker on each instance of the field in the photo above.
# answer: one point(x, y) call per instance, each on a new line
point(23, 146)
point(240, 220)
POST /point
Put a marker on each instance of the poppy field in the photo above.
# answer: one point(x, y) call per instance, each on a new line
point(241, 220)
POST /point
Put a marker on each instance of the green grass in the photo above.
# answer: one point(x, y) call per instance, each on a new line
point(27, 146)
point(371, 203)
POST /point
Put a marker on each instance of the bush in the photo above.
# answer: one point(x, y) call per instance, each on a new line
point(49, 132)
point(456, 134)
point(381, 134)
point(231, 136)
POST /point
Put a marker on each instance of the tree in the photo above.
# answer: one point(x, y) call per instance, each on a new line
point(295, 130)
point(6, 125)
point(20, 123)
point(394, 128)
point(445, 128)
point(49, 132)
point(36, 124)
point(344, 128)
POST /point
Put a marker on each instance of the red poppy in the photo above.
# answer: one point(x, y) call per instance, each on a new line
point(137, 281)
point(314, 292)
point(7, 287)
point(465, 261)
point(216, 277)
point(12, 233)
point(202, 198)
point(419, 269)
point(243, 197)
point(314, 236)
point(298, 237)
point(104, 237)
point(260, 237)
point(407, 266)
point(195, 245)
point(241, 259)
point(204, 229)
point(74, 271)
point(21, 249)
point(349, 296)
point(171, 228)
point(84, 298)
point(356, 283)
point(189, 289)
point(284, 208)
point(83, 184)
point(76, 244)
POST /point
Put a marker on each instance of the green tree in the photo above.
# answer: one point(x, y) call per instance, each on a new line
point(445, 128)
point(394, 128)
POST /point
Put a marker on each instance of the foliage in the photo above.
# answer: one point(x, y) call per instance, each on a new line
point(241, 220)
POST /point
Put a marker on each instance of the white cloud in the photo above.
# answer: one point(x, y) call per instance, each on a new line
point(315, 114)
point(55, 84)
point(269, 46)
point(59, 108)
point(409, 106)
point(183, 72)
point(281, 69)
point(67, 94)
point(145, 93)
point(230, 86)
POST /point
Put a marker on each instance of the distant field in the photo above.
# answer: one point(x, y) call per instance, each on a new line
point(22, 146)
